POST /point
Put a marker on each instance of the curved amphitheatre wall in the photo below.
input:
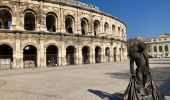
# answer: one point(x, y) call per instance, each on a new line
point(80, 34)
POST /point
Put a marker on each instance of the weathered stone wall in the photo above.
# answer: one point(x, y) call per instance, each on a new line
point(18, 38)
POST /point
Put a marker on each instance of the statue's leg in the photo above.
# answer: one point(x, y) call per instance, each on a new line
point(139, 77)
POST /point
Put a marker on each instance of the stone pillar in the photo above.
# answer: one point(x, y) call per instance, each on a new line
point(80, 55)
point(76, 56)
point(91, 24)
point(18, 53)
point(42, 19)
point(77, 23)
point(157, 53)
point(102, 55)
point(163, 50)
point(59, 56)
point(42, 54)
point(101, 28)
point(92, 55)
point(38, 58)
point(22, 60)
point(63, 54)
point(61, 20)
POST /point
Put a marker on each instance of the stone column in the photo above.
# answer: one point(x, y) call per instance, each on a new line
point(38, 58)
point(92, 55)
point(42, 50)
point(22, 60)
point(163, 50)
point(80, 55)
point(61, 20)
point(157, 53)
point(63, 54)
point(102, 55)
point(76, 56)
point(59, 57)
point(77, 24)
point(18, 53)
point(91, 26)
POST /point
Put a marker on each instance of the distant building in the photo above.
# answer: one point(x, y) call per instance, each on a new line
point(159, 47)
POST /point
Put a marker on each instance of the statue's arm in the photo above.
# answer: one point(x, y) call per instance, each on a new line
point(132, 70)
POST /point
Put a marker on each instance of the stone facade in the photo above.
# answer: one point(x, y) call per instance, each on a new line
point(41, 33)
point(159, 47)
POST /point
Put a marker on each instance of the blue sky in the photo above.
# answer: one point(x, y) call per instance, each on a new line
point(145, 18)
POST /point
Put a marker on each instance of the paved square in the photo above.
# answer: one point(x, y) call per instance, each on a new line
point(84, 82)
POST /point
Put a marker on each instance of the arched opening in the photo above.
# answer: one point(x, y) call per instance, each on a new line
point(86, 55)
point(6, 56)
point(69, 24)
point(107, 54)
point(51, 22)
point(52, 56)
point(96, 27)
point(113, 28)
point(84, 26)
point(119, 30)
point(97, 54)
point(114, 53)
point(106, 28)
point(29, 21)
point(5, 19)
point(30, 56)
point(70, 55)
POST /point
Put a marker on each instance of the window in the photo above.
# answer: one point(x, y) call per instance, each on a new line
point(96, 27)
point(84, 26)
point(5, 19)
point(106, 28)
point(29, 21)
point(155, 49)
point(69, 24)
point(51, 22)
point(166, 48)
point(160, 48)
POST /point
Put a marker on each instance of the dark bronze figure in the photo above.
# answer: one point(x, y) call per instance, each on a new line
point(141, 86)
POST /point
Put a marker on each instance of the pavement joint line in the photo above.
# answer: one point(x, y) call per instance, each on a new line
point(2, 83)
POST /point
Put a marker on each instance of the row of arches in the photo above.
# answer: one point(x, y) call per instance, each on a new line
point(52, 56)
point(30, 18)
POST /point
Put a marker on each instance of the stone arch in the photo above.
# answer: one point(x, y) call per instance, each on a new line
point(51, 21)
point(106, 28)
point(96, 27)
point(86, 55)
point(52, 56)
point(113, 28)
point(71, 55)
point(10, 44)
point(6, 56)
point(5, 17)
point(31, 43)
point(107, 54)
point(29, 20)
point(69, 24)
point(98, 54)
point(84, 26)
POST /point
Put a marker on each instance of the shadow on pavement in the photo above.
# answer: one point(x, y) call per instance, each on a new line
point(106, 96)
point(161, 75)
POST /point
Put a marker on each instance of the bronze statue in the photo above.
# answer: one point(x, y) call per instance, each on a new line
point(141, 86)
